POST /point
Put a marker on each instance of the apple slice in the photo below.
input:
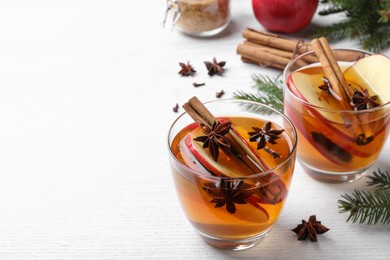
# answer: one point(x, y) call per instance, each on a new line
point(324, 151)
point(207, 164)
point(305, 85)
point(221, 168)
point(371, 73)
point(325, 121)
point(271, 193)
point(328, 148)
point(273, 190)
point(190, 159)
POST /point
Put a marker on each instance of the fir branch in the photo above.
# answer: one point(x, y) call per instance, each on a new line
point(364, 206)
point(380, 179)
point(268, 91)
point(328, 8)
point(370, 207)
point(336, 31)
point(378, 41)
point(366, 20)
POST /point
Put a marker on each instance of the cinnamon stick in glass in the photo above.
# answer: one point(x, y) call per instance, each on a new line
point(339, 87)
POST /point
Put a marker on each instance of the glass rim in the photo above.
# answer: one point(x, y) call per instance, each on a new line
point(329, 110)
point(252, 176)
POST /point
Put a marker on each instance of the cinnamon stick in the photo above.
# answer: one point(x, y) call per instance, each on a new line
point(202, 115)
point(347, 55)
point(260, 63)
point(339, 87)
point(280, 50)
point(197, 111)
point(276, 41)
point(255, 51)
point(332, 71)
point(277, 52)
point(262, 57)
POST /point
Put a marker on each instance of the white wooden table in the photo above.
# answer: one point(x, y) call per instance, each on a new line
point(86, 96)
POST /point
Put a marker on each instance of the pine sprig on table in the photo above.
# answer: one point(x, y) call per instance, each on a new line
point(268, 91)
point(365, 206)
point(366, 20)
point(369, 207)
point(380, 179)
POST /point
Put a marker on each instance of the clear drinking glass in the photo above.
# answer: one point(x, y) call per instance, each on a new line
point(227, 207)
point(334, 145)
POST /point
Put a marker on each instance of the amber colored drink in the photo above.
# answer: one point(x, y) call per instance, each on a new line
point(329, 139)
point(202, 192)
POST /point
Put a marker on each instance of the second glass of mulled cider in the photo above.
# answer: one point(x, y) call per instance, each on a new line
point(232, 169)
point(339, 102)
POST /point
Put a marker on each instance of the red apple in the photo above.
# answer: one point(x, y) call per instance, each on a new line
point(285, 16)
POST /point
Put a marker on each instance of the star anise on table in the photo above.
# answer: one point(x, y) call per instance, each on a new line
point(219, 94)
point(228, 192)
point(310, 229)
point(215, 67)
point(176, 108)
point(362, 100)
point(264, 135)
point(186, 69)
point(214, 137)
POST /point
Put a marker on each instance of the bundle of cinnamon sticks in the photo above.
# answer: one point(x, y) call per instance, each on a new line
point(269, 50)
point(272, 50)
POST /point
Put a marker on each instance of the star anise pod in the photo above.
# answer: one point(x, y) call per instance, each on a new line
point(362, 100)
point(214, 137)
point(176, 108)
point(186, 69)
point(215, 67)
point(310, 229)
point(219, 94)
point(229, 192)
point(264, 135)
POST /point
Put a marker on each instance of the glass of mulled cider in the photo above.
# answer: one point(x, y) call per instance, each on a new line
point(232, 164)
point(342, 128)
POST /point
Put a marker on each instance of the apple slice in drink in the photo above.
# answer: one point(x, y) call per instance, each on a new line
point(223, 167)
point(273, 189)
point(371, 73)
point(327, 148)
point(305, 87)
point(202, 161)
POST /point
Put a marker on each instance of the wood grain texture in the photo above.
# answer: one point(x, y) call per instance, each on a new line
point(86, 97)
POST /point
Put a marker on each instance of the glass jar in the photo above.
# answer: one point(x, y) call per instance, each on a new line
point(199, 17)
